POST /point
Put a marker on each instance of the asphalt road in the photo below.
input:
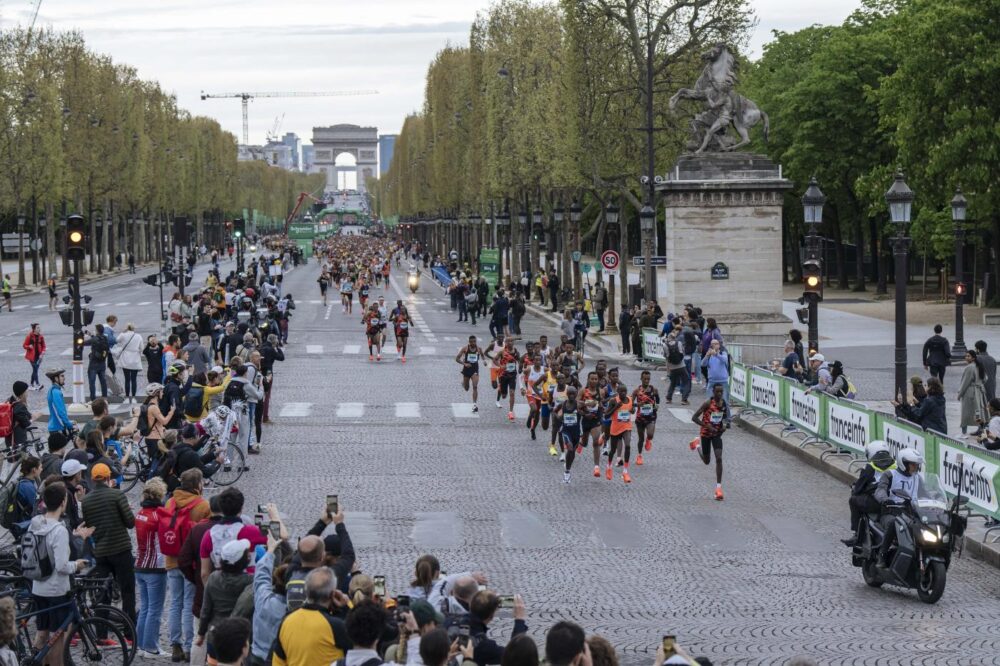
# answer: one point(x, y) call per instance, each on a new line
point(755, 579)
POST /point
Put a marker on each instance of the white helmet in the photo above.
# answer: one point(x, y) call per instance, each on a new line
point(874, 447)
point(908, 456)
point(222, 412)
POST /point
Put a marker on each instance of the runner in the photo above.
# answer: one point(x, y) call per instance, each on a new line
point(570, 430)
point(363, 292)
point(495, 348)
point(609, 388)
point(373, 331)
point(554, 391)
point(534, 374)
point(468, 358)
point(402, 322)
point(620, 411)
point(588, 404)
point(711, 416)
point(508, 361)
point(646, 399)
point(383, 315)
point(347, 294)
point(324, 284)
point(569, 361)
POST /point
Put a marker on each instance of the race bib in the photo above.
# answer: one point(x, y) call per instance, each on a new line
point(374, 322)
point(716, 418)
point(624, 417)
point(592, 409)
point(569, 419)
point(472, 358)
point(646, 410)
point(404, 325)
point(512, 367)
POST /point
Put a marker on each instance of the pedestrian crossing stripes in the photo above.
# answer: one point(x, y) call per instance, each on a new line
point(683, 415)
point(350, 410)
point(314, 349)
point(352, 349)
point(427, 351)
point(463, 410)
point(295, 409)
point(408, 410)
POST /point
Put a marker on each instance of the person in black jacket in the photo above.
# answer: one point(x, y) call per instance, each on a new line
point(174, 389)
point(20, 415)
point(339, 549)
point(184, 456)
point(929, 413)
point(483, 609)
point(937, 354)
point(862, 500)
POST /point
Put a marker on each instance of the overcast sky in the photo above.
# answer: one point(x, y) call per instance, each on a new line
point(305, 45)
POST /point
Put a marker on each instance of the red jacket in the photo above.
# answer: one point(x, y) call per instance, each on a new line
point(148, 557)
point(34, 346)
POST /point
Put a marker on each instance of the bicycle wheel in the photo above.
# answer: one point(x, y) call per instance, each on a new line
point(122, 622)
point(131, 473)
point(84, 647)
point(231, 469)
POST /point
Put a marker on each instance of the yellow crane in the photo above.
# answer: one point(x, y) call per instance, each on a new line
point(245, 97)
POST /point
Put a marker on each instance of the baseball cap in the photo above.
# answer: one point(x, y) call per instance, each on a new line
point(217, 369)
point(233, 551)
point(817, 357)
point(100, 472)
point(72, 467)
point(424, 613)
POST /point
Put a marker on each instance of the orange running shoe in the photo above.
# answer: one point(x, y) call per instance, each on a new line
point(608, 474)
point(597, 471)
point(403, 359)
point(638, 460)
point(579, 450)
point(510, 416)
point(626, 477)
point(379, 357)
point(370, 357)
point(693, 444)
point(718, 493)
point(649, 443)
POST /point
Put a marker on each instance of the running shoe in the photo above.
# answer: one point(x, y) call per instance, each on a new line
point(499, 406)
point(620, 463)
point(608, 473)
point(552, 449)
point(604, 450)
point(566, 477)
point(638, 460)
point(403, 359)
point(718, 494)
point(626, 477)
point(475, 408)
point(649, 443)
point(379, 357)
point(562, 457)
point(370, 357)
point(510, 416)
point(579, 450)
point(597, 471)
point(693, 444)
point(533, 437)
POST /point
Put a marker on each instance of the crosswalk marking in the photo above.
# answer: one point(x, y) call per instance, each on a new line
point(352, 349)
point(38, 307)
point(118, 305)
point(145, 303)
point(408, 410)
point(4, 351)
point(314, 349)
point(295, 409)
point(427, 351)
point(681, 414)
point(463, 410)
point(350, 410)
point(101, 305)
point(450, 338)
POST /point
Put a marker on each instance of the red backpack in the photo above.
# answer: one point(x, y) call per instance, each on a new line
point(6, 419)
point(174, 526)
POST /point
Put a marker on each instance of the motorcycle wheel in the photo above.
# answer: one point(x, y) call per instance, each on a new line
point(870, 573)
point(931, 584)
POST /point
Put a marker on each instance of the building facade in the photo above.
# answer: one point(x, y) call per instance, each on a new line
point(386, 147)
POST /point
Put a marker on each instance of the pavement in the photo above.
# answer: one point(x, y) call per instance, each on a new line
point(756, 579)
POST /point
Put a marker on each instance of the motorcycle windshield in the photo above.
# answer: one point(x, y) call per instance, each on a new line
point(930, 493)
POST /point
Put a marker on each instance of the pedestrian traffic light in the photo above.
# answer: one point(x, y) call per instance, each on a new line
point(76, 234)
point(152, 280)
point(960, 290)
point(239, 227)
point(812, 278)
point(88, 316)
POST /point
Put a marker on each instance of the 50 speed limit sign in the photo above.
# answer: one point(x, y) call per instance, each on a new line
point(610, 261)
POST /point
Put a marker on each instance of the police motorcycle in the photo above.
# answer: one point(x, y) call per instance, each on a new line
point(413, 278)
point(927, 527)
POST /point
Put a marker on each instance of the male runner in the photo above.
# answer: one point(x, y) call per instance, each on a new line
point(646, 399)
point(570, 430)
point(508, 361)
point(347, 294)
point(468, 358)
point(373, 331)
point(533, 372)
point(589, 406)
point(711, 416)
point(495, 348)
point(401, 324)
point(620, 411)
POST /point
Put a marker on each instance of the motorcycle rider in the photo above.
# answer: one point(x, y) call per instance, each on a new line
point(862, 500)
point(905, 478)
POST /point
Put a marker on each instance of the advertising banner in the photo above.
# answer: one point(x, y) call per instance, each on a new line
point(489, 267)
point(899, 435)
point(738, 385)
point(848, 426)
point(978, 475)
point(804, 410)
point(765, 393)
point(652, 346)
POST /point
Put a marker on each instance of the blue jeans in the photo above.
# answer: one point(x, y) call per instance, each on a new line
point(181, 603)
point(95, 371)
point(34, 372)
point(152, 589)
point(251, 415)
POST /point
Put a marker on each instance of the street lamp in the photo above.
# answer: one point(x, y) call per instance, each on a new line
point(958, 207)
point(575, 214)
point(812, 275)
point(559, 240)
point(536, 235)
point(503, 228)
point(647, 227)
point(900, 198)
point(522, 221)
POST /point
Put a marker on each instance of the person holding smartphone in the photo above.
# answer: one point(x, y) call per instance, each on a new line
point(713, 418)
point(268, 594)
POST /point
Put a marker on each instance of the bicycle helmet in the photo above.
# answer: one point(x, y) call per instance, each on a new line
point(874, 447)
point(52, 373)
point(152, 389)
point(222, 412)
point(911, 456)
point(176, 368)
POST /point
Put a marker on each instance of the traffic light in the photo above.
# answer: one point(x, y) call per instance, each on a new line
point(239, 227)
point(152, 280)
point(812, 278)
point(181, 236)
point(76, 234)
point(960, 291)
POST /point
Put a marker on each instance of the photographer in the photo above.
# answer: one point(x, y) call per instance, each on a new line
point(483, 611)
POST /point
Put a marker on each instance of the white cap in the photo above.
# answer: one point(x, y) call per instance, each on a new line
point(72, 467)
point(817, 357)
point(217, 369)
point(233, 551)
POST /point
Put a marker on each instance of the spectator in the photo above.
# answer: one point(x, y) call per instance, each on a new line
point(189, 561)
point(566, 645)
point(520, 651)
point(153, 353)
point(223, 588)
point(554, 285)
point(581, 324)
point(150, 574)
point(602, 653)
point(567, 326)
point(991, 436)
point(313, 634)
point(990, 367)
point(457, 606)
point(929, 413)
point(25, 496)
point(434, 648)
point(838, 387)
point(795, 335)
point(819, 372)
point(679, 373)
point(972, 392)
point(52, 461)
point(269, 602)
point(517, 310)
point(8, 631)
point(716, 361)
point(34, 350)
point(309, 556)
point(599, 301)
point(917, 389)
point(21, 416)
point(484, 607)
point(182, 457)
point(197, 355)
point(711, 333)
point(937, 354)
point(230, 528)
point(106, 509)
point(791, 366)
point(97, 361)
point(364, 625)
point(128, 350)
point(635, 331)
point(230, 639)
point(56, 402)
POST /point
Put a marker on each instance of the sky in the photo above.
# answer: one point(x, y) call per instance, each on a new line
point(221, 46)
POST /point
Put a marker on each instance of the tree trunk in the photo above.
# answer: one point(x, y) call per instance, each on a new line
point(877, 274)
point(859, 256)
point(50, 241)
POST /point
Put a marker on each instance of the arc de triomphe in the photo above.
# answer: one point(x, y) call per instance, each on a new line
point(361, 142)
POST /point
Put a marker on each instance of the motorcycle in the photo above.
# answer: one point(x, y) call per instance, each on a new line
point(413, 281)
point(927, 530)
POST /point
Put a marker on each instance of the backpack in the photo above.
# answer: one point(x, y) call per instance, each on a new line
point(674, 354)
point(852, 390)
point(235, 392)
point(295, 590)
point(143, 424)
point(193, 401)
point(172, 528)
point(472, 297)
point(14, 510)
point(98, 348)
point(222, 534)
point(36, 556)
point(6, 419)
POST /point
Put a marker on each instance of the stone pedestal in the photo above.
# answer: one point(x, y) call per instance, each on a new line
point(723, 229)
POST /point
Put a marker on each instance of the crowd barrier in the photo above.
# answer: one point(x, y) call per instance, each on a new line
point(441, 275)
point(843, 427)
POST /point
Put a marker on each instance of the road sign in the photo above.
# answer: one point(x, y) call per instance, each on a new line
point(585, 268)
point(656, 261)
point(576, 255)
point(610, 261)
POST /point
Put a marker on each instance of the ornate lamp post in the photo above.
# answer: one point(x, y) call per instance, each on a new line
point(647, 227)
point(958, 207)
point(611, 216)
point(503, 231)
point(522, 222)
point(536, 233)
point(560, 238)
point(900, 198)
point(575, 213)
point(812, 209)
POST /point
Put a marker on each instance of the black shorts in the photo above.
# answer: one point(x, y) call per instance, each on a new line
point(714, 442)
point(50, 620)
point(590, 423)
point(645, 420)
point(470, 372)
point(508, 382)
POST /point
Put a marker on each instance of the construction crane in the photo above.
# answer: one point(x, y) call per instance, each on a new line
point(272, 136)
point(245, 97)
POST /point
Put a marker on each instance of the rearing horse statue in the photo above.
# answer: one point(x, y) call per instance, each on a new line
point(723, 106)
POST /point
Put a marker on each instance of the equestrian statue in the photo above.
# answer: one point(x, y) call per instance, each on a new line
point(723, 105)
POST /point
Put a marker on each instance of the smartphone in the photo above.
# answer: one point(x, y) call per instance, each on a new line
point(258, 520)
point(262, 508)
point(379, 589)
point(463, 635)
point(507, 601)
point(275, 528)
point(669, 642)
point(403, 601)
point(331, 504)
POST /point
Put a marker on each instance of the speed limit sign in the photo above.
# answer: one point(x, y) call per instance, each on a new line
point(610, 260)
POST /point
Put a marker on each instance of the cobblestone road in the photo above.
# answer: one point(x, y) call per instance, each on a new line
point(752, 580)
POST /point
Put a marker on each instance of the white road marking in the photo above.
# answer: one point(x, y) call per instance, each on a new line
point(145, 303)
point(450, 338)
point(352, 349)
point(118, 305)
point(427, 351)
point(681, 414)
point(4, 351)
point(294, 409)
point(314, 349)
point(350, 410)
point(463, 410)
point(407, 410)
point(101, 305)
point(38, 307)
point(329, 309)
